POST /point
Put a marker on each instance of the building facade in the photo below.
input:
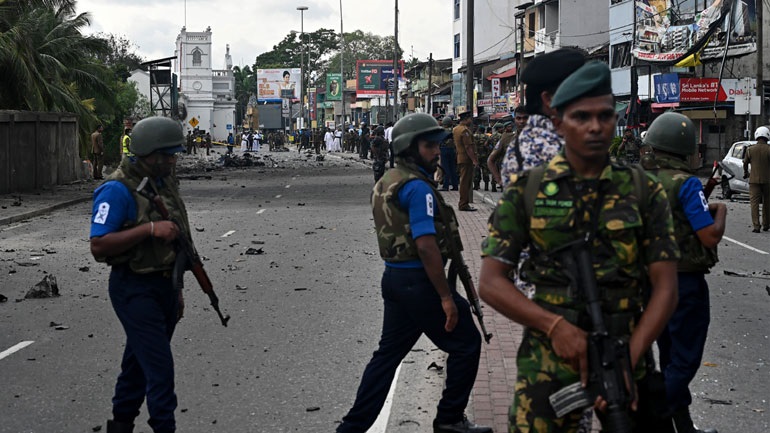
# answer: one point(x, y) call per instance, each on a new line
point(208, 94)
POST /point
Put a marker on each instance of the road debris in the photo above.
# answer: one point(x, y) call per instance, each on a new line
point(84, 269)
point(254, 251)
point(762, 275)
point(435, 366)
point(3, 298)
point(47, 288)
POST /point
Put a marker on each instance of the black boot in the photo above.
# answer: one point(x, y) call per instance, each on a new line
point(119, 427)
point(683, 422)
point(486, 186)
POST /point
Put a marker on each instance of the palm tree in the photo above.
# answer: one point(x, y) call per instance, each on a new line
point(46, 63)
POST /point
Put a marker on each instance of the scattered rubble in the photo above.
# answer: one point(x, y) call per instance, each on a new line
point(254, 251)
point(47, 288)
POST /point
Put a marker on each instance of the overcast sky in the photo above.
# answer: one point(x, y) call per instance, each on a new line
point(253, 27)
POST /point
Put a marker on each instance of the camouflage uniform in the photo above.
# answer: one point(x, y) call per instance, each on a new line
point(538, 143)
point(626, 237)
point(379, 156)
point(482, 142)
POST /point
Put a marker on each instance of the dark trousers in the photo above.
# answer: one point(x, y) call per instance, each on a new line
point(98, 162)
point(147, 308)
point(449, 165)
point(412, 307)
point(392, 155)
point(682, 341)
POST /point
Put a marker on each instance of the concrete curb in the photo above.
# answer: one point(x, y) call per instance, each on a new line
point(37, 212)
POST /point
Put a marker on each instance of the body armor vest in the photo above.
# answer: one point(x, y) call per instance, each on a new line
point(695, 257)
point(152, 254)
point(391, 221)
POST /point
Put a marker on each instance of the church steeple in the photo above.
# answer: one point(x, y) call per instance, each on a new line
point(228, 58)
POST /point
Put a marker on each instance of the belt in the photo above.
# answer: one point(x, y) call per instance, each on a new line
point(126, 269)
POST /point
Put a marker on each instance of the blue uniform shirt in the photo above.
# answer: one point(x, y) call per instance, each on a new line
point(417, 197)
point(694, 204)
point(113, 207)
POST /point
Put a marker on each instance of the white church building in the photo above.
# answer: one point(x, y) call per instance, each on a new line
point(207, 94)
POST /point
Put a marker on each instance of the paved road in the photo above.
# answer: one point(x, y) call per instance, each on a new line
point(306, 316)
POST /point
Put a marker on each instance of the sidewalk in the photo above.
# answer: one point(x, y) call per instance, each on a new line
point(493, 392)
point(20, 206)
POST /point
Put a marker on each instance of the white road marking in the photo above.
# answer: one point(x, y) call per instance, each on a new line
point(13, 227)
point(381, 423)
point(228, 233)
point(278, 196)
point(260, 211)
point(15, 349)
point(748, 247)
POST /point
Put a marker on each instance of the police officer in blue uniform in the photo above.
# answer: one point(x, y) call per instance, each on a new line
point(129, 234)
point(410, 218)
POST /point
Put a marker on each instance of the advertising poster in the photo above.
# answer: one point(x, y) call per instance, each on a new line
point(671, 32)
point(311, 103)
point(374, 76)
point(333, 87)
point(276, 84)
point(708, 89)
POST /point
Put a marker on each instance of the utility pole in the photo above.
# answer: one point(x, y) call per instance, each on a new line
point(342, 71)
point(302, 10)
point(760, 63)
point(469, 55)
point(395, 67)
point(430, 84)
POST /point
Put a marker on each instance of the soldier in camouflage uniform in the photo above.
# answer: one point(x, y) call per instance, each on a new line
point(538, 141)
point(579, 193)
point(483, 148)
point(414, 226)
point(672, 137)
point(379, 152)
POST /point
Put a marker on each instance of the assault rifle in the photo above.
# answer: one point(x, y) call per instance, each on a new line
point(186, 255)
point(714, 181)
point(608, 357)
point(458, 268)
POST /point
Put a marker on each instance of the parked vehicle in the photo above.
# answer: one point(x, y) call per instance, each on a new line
point(732, 177)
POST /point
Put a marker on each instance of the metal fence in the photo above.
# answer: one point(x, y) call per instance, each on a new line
point(37, 150)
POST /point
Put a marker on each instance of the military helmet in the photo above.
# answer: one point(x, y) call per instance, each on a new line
point(156, 133)
point(447, 121)
point(413, 125)
point(672, 132)
point(762, 131)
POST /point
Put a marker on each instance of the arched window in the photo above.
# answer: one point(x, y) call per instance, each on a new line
point(197, 57)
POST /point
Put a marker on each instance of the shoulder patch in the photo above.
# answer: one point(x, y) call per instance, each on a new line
point(102, 213)
point(429, 204)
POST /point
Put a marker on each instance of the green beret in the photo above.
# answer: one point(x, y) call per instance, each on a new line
point(551, 69)
point(499, 126)
point(465, 115)
point(592, 79)
point(507, 124)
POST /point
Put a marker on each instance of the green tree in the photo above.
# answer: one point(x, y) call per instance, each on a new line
point(48, 64)
point(245, 86)
point(361, 46)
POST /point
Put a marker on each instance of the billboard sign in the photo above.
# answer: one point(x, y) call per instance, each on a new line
point(670, 31)
point(311, 103)
point(375, 76)
point(666, 88)
point(707, 89)
point(275, 84)
point(333, 87)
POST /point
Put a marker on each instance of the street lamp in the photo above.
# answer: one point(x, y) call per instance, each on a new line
point(302, 10)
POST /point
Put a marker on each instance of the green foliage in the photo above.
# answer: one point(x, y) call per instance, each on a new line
point(614, 147)
point(48, 64)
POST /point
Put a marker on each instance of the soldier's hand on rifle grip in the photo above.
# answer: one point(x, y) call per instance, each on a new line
point(571, 344)
point(450, 310)
point(166, 230)
point(601, 404)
